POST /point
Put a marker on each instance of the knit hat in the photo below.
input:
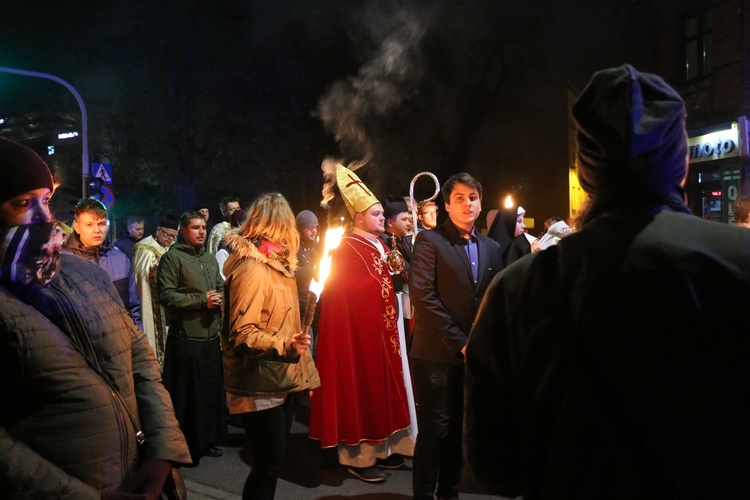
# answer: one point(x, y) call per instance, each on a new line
point(631, 134)
point(357, 197)
point(306, 219)
point(21, 170)
point(169, 222)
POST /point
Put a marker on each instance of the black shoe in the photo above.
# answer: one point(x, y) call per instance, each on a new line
point(392, 462)
point(368, 474)
point(213, 452)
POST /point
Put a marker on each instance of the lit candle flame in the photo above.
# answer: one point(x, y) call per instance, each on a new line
point(509, 201)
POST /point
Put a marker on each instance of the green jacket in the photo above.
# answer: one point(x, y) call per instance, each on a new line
point(184, 277)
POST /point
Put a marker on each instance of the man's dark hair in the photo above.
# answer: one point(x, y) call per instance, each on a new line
point(187, 216)
point(462, 178)
point(741, 207)
point(226, 201)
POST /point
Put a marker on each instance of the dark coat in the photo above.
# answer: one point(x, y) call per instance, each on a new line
point(126, 244)
point(443, 294)
point(616, 365)
point(63, 432)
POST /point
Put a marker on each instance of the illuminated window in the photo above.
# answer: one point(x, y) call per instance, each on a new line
point(698, 58)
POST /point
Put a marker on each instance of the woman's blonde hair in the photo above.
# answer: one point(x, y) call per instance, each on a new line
point(271, 216)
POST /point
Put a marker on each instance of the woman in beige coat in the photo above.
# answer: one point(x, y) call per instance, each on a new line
point(266, 356)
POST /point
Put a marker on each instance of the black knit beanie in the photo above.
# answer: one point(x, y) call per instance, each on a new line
point(631, 135)
point(21, 170)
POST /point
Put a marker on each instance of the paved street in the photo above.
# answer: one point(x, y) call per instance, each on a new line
point(309, 473)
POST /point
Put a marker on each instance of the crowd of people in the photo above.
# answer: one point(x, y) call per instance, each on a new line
point(604, 357)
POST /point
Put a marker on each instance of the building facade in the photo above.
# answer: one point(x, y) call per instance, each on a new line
point(703, 51)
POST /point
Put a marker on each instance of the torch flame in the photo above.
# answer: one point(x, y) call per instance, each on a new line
point(332, 241)
point(509, 201)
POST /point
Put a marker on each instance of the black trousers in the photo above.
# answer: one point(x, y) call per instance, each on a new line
point(193, 376)
point(267, 432)
point(439, 389)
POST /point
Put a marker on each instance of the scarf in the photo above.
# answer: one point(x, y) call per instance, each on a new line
point(30, 254)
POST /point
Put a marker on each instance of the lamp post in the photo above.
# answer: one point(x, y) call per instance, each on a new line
point(84, 116)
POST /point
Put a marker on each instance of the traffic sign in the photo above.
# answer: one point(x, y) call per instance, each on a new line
point(103, 171)
point(107, 196)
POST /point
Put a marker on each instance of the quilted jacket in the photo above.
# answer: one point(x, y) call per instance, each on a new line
point(77, 381)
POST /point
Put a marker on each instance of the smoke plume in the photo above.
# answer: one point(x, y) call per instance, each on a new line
point(352, 109)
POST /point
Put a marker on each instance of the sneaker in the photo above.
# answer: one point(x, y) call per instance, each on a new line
point(392, 462)
point(368, 474)
point(213, 452)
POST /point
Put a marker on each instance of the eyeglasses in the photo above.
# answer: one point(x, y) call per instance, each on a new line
point(172, 236)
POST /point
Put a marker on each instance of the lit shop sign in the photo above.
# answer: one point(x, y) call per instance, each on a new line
point(715, 146)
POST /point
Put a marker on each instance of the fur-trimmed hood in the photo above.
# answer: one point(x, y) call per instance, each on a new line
point(243, 248)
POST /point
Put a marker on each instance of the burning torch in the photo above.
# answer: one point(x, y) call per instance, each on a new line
point(332, 240)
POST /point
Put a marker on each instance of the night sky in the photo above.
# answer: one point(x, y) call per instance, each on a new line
point(199, 99)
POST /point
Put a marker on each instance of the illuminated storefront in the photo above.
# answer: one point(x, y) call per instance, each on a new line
point(719, 169)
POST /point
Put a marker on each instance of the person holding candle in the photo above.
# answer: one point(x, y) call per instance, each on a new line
point(266, 354)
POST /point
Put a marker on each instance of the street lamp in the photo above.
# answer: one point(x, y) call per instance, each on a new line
point(84, 116)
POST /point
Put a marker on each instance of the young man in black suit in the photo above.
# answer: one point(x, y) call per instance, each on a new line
point(451, 267)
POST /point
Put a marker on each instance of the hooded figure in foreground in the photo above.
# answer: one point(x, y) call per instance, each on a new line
point(618, 358)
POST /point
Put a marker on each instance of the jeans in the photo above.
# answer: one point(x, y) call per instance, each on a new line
point(267, 432)
point(439, 389)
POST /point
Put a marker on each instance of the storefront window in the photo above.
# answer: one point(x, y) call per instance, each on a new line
point(698, 51)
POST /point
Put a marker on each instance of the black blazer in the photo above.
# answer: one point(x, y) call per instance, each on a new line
point(443, 293)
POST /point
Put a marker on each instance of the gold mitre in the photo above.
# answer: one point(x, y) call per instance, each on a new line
point(357, 197)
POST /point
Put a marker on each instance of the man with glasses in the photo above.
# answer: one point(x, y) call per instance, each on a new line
point(146, 256)
point(427, 215)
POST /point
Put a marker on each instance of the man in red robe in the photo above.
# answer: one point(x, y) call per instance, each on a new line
point(361, 406)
